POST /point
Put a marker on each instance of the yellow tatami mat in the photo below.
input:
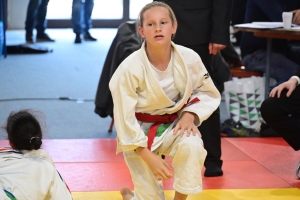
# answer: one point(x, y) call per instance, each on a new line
point(236, 194)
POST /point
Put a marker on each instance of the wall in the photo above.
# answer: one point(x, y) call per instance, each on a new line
point(16, 13)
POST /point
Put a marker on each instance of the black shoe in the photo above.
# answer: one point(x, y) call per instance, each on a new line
point(78, 38)
point(213, 172)
point(43, 37)
point(88, 37)
point(29, 38)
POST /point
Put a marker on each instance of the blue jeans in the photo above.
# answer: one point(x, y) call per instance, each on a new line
point(36, 16)
point(282, 67)
point(81, 15)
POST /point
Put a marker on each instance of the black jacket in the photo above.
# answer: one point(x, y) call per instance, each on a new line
point(201, 21)
point(125, 43)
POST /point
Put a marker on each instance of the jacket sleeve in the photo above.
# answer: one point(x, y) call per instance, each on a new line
point(59, 189)
point(297, 73)
point(123, 86)
point(203, 89)
point(221, 12)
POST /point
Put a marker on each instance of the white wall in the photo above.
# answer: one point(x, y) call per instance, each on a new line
point(16, 13)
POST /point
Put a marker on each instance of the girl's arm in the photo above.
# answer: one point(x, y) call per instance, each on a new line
point(159, 167)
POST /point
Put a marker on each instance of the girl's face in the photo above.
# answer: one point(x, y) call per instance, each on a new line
point(157, 26)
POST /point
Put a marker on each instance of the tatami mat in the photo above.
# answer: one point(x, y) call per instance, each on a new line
point(274, 154)
point(258, 194)
point(254, 168)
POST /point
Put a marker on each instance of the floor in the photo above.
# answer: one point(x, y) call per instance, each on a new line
point(83, 150)
point(254, 168)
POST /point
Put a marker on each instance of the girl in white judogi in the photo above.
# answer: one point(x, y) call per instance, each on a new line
point(161, 93)
point(26, 171)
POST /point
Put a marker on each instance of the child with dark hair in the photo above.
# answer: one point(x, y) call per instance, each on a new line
point(27, 171)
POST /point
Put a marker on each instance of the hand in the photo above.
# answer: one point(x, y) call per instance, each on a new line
point(186, 124)
point(214, 48)
point(159, 167)
point(290, 85)
point(296, 18)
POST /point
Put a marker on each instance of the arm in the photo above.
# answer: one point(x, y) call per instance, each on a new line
point(203, 89)
point(159, 167)
point(123, 86)
point(219, 38)
point(290, 85)
point(187, 124)
point(59, 189)
point(296, 18)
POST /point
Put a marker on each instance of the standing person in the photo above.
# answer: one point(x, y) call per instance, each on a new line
point(27, 171)
point(161, 93)
point(203, 26)
point(36, 18)
point(280, 109)
point(81, 19)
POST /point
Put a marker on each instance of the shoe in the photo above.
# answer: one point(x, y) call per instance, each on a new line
point(88, 37)
point(213, 168)
point(230, 128)
point(213, 172)
point(29, 38)
point(78, 38)
point(43, 38)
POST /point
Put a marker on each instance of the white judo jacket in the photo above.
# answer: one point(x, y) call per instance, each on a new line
point(134, 88)
point(30, 175)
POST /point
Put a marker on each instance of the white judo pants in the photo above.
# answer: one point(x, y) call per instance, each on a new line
point(188, 155)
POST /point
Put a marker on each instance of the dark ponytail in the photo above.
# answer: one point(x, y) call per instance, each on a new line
point(24, 130)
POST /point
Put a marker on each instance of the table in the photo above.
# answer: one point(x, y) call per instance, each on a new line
point(279, 33)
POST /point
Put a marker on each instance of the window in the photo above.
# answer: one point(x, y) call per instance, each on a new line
point(106, 13)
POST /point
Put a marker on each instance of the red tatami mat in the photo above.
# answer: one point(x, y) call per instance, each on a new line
point(83, 150)
point(249, 163)
point(95, 176)
point(272, 153)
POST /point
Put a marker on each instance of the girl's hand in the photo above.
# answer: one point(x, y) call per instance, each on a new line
point(159, 167)
point(186, 125)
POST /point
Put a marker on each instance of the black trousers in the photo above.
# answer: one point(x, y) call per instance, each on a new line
point(278, 114)
point(210, 128)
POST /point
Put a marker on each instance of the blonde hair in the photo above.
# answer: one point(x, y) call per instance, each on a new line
point(140, 19)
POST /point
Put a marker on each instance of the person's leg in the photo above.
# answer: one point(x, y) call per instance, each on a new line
point(88, 9)
point(145, 185)
point(276, 112)
point(221, 71)
point(210, 128)
point(77, 19)
point(32, 11)
point(41, 22)
point(188, 155)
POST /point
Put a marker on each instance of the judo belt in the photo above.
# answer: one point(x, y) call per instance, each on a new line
point(158, 120)
point(10, 195)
